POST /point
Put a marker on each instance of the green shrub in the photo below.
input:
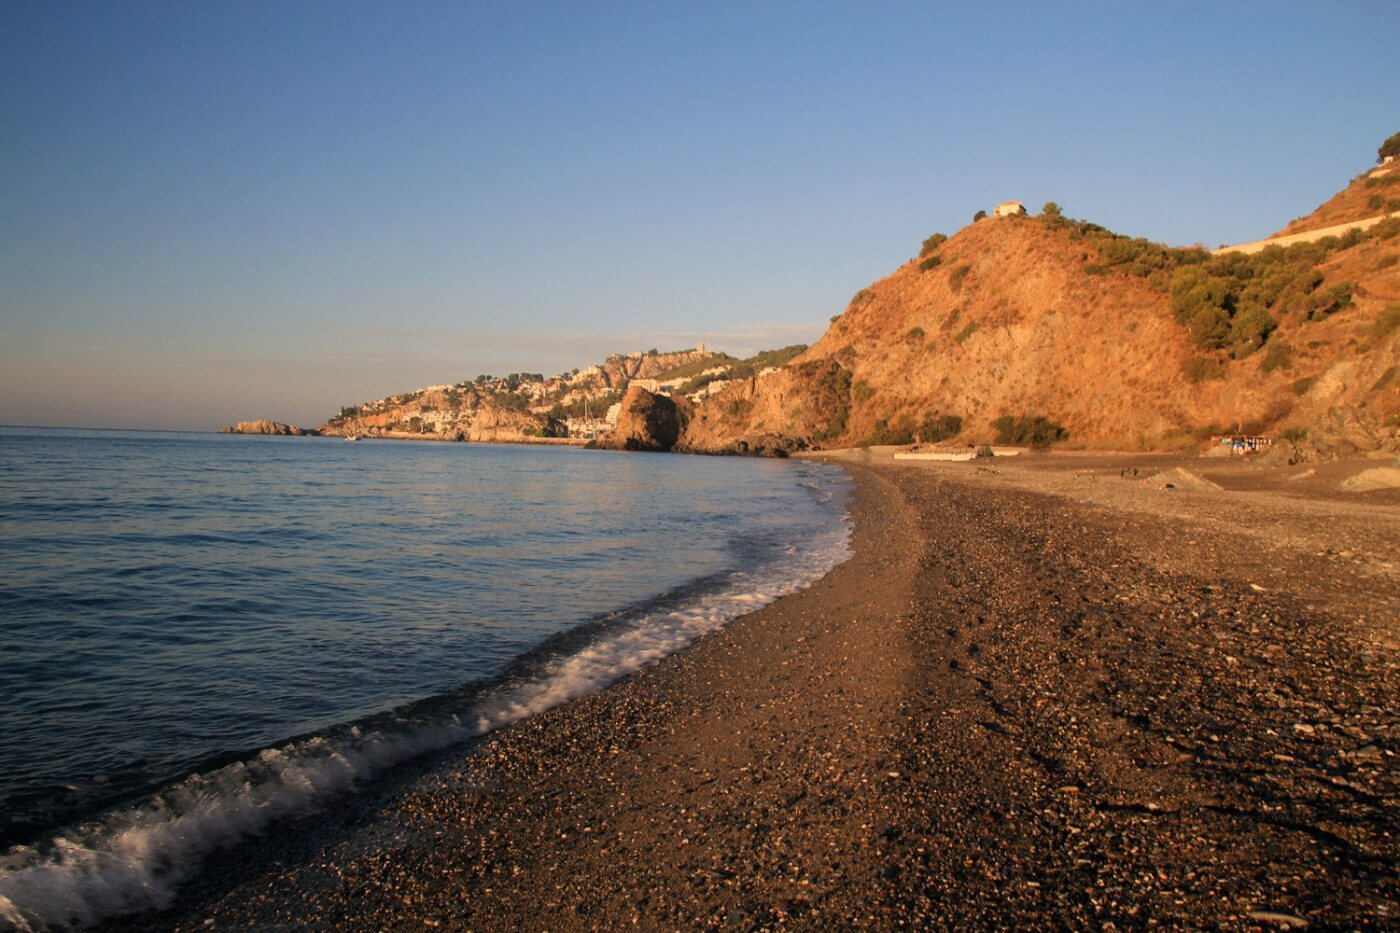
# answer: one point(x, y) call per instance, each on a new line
point(1036, 431)
point(1387, 321)
point(951, 319)
point(1204, 368)
point(1386, 379)
point(1210, 327)
point(915, 333)
point(1391, 147)
point(958, 276)
point(901, 432)
point(937, 427)
point(832, 392)
point(860, 297)
point(1295, 434)
point(932, 243)
point(1375, 202)
point(1302, 386)
point(1051, 212)
point(1335, 298)
point(1279, 356)
point(862, 391)
point(932, 262)
point(980, 215)
point(966, 332)
point(1248, 330)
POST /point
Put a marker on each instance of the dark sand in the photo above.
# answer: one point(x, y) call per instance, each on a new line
point(1039, 696)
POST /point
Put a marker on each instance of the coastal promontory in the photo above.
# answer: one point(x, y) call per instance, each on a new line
point(263, 426)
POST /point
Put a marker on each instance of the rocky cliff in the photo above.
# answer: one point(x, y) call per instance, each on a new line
point(522, 407)
point(1033, 318)
point(265, 427)
point(619, 370)
point(646, 421)
point(462, 413)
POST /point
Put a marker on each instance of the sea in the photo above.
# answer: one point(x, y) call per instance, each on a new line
point(203, 634)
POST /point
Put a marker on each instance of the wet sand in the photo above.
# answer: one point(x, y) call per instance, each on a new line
point(1040, 695)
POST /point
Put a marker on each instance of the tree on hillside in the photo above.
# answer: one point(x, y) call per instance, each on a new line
point(1051, 211)
point(980, 215)
point(932, 243)
point(1391, 147)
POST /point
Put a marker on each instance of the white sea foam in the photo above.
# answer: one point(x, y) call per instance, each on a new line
point(135, 859)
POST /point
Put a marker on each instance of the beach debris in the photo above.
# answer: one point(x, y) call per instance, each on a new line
point(1288, 921)
point(949, 455)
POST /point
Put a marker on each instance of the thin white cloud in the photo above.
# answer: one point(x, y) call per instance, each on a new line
point(591, 347)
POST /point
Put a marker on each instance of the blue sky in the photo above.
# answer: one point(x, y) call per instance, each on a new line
point(213, 211)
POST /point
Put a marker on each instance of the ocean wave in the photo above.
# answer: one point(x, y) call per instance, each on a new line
point(135, 859)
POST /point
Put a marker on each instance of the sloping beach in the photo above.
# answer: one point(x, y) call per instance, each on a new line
point(1041, 694)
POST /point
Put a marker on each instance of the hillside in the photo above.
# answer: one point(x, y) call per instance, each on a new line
point(1370, 194)
point(1111, 341)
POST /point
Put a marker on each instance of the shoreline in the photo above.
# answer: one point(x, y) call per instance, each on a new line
point(1011, 707)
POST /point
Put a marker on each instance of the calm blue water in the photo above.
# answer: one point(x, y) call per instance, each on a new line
point(173, 603)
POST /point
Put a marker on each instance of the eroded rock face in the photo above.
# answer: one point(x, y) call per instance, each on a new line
point(646, 422)
point(265, 427)
point(748, 445)
point(793, 409)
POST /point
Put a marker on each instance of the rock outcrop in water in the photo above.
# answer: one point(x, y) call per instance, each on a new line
point(647, 421)
point(267, 427)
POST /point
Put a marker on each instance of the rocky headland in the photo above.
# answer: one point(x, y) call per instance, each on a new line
point(267, 427)
point(1044, 329)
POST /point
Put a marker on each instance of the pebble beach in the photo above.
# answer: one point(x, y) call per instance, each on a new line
point(1036, 697)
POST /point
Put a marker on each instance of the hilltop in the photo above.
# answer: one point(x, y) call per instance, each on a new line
point(1045, 329)
point(1372, 193)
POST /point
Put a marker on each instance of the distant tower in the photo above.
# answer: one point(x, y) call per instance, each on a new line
point(701, 348)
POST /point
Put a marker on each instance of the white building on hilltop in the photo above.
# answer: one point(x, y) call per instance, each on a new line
point(1009, 209)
